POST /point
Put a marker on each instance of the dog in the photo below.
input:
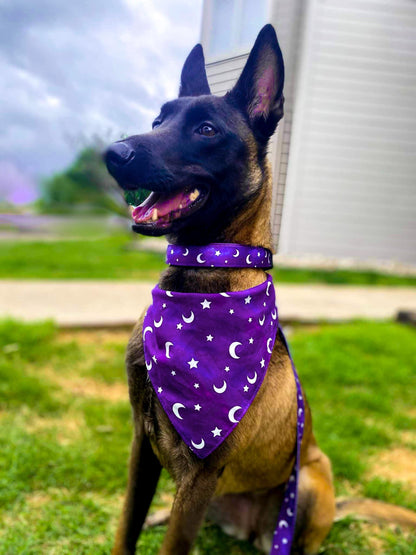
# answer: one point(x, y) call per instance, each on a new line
point(205, 167)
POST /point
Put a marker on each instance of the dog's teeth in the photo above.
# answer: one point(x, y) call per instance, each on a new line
point(154, 215)
point(194, 195)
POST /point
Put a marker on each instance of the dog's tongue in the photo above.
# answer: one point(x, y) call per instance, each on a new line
point(164, 207)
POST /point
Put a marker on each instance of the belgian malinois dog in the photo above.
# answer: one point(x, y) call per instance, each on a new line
point(204, 164)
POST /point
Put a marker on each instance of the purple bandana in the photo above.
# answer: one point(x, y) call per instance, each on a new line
point(192, 345)
point(219, 255)
point(206, 356)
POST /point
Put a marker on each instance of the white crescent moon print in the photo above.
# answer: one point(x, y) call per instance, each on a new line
point(232, 349)
point(268, 346)
point(253, 379)
point(175, 410)
point(220, 389)
point(188, 319)
point(169, 293)
point(231, 414)
point(186, 252)
point(168, 344)
point(248, 259)
point(224, 294)
point(199, 445)
point(199, 258)
point(237, 252)
point(148, 328)
point(148, 365)
point(159, 323)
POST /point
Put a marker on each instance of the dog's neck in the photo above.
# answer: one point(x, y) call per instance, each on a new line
point(251, 227)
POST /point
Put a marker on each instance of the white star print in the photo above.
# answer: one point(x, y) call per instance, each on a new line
point(251, 340)
point(210, 337)
point(179, 326)
point(171, 251)
point(159, 390)
point(258, 254)
point(245, 388)
point(216, 432)
point(193, 363)
point(231, 311)
point(264, 304)
point(154, 359)
point(196, 385)
point(247, 299)
point(198, 407)
point(206, 304)
point(217, 253)
point(173, 373)
point(262, 362)
point(227, 368)
point(250, 319)
point(164, 305)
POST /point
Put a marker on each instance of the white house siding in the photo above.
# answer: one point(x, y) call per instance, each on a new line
point(351, 182)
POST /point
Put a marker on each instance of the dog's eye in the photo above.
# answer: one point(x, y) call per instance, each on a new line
point(207, 130)
point(156, 123)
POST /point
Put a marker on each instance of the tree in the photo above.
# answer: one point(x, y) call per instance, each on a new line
point(85, 186)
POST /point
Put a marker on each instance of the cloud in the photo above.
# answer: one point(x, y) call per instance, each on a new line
point(72, 70)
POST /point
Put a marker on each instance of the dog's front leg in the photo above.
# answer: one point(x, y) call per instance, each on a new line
point(192, 498)
point(144, 474)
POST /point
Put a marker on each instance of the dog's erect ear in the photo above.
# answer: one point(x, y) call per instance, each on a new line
point(259, 90)
point(194, 80)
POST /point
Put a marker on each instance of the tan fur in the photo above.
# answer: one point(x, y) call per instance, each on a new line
point(375, 511)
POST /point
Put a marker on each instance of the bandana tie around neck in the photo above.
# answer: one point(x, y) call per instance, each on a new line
point(219, 255)
point(206, 356)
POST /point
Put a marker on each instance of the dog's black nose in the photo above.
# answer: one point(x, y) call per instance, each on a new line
point(117, 156)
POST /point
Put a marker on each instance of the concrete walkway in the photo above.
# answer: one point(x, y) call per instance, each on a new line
point(116, 303)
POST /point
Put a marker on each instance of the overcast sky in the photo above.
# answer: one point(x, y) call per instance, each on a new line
point(74, 69)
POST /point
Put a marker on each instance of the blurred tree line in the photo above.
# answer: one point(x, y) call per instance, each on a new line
point(85, 186)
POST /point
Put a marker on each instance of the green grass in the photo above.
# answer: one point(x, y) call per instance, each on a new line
point(118, 257)
point(65, 429)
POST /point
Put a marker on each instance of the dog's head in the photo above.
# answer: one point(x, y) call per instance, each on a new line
point(204, 160)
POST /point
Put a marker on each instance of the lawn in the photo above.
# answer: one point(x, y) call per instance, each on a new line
point(119, 257)
point(65, 431)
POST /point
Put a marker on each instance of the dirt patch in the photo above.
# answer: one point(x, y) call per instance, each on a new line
point(408, 438)
point(373, 534)
point(397, 464)
point(37, 499)
point(87, 387)
point(67, 428)
point(95, 337)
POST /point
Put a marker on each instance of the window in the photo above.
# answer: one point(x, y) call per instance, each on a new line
point(232, 25)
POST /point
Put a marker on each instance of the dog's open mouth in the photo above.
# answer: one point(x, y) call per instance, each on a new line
point(161, 210)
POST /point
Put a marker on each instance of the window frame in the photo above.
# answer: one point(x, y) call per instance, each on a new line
point(207, 17)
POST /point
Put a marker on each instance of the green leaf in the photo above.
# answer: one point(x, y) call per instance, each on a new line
point(136, 197)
